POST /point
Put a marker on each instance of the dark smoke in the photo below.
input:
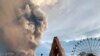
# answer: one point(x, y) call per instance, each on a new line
point(21, 26)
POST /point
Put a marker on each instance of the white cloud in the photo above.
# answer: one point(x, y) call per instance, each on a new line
point(44, 3)
point(73, 20)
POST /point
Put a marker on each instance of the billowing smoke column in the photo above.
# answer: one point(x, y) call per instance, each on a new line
point(22, 23)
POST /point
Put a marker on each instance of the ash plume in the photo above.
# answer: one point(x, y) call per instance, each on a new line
point(22, 23)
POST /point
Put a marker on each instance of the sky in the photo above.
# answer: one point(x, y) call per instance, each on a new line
point(71, 20)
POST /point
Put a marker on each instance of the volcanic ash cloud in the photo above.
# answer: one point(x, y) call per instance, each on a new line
point(22, 23)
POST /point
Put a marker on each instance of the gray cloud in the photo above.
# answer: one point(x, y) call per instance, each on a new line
point(74, 20)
